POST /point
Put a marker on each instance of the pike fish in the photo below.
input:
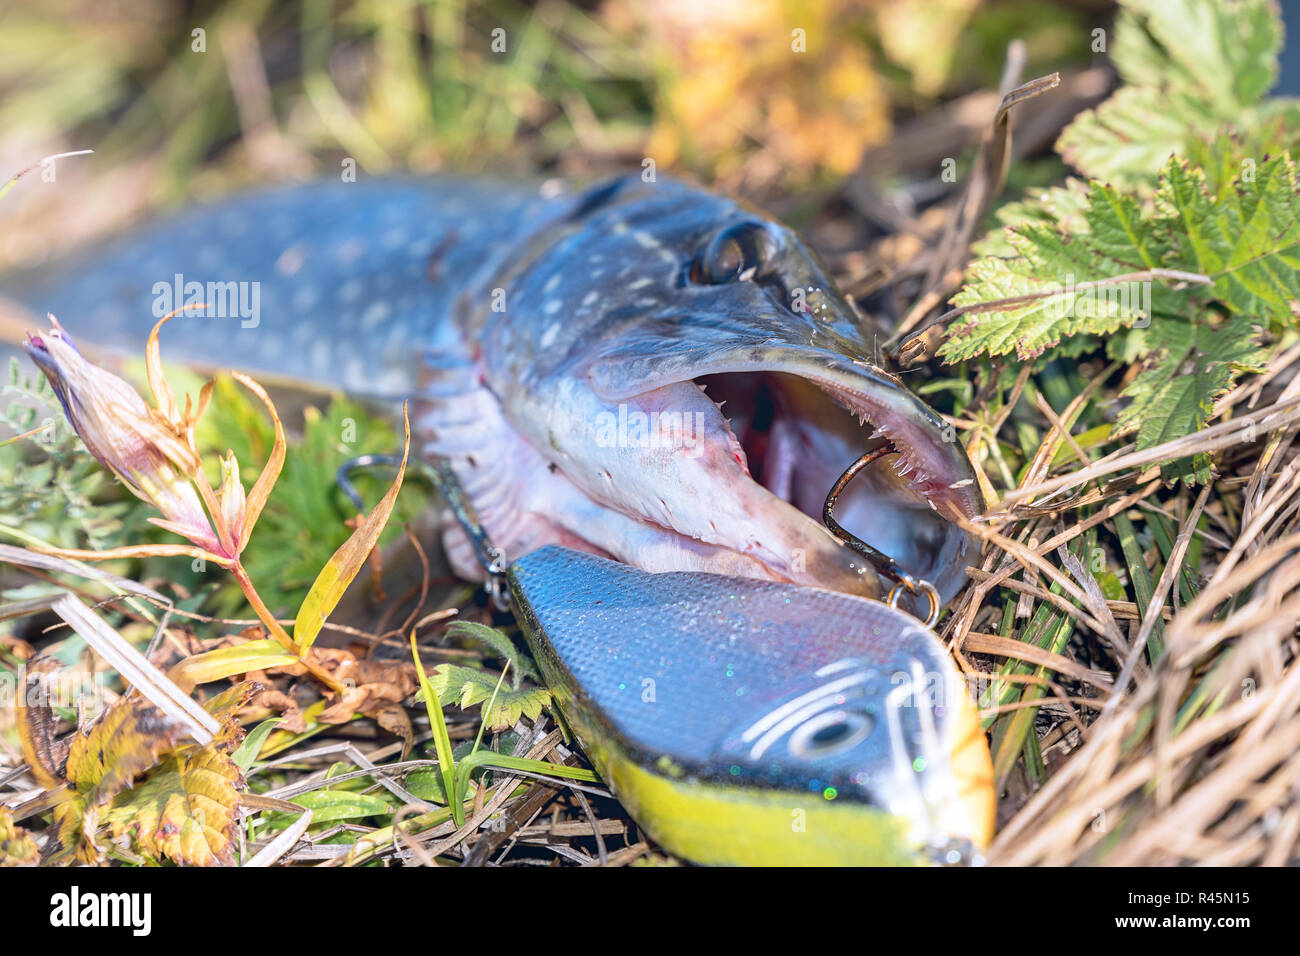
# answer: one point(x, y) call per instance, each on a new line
point(641, 370)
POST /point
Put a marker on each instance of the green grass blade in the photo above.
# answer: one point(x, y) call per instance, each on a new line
point(441, 739)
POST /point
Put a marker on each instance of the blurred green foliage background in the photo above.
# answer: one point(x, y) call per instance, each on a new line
point(183, 100)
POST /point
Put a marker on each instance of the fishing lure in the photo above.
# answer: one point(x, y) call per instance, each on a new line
point(750, 722)
point(758, 722)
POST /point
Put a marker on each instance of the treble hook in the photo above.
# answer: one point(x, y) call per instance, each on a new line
point(882, 562)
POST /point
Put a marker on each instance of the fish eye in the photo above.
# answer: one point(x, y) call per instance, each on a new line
point(829, 733)
point(740, 251)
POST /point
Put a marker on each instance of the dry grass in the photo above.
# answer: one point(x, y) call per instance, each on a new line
point(1194, 758)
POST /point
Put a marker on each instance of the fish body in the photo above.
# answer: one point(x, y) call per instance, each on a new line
point(641, 370)
point(756, 722)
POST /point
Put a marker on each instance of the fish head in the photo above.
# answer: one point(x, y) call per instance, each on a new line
point(657, 298)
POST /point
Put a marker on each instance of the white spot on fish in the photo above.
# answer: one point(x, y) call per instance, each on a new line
point(291, 261)
point(351, 291)
point(590, 297)
point(548, 337)
point(306, 298)
point(640, 284)
point(552, 306)
point(374, 315)
point(645, 240)
point(552, 284)
point(349, 251)
point(320, 355)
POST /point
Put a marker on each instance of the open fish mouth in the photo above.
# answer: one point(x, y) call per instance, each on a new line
point(799, 416)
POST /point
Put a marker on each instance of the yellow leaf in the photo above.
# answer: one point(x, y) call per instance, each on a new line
point(44, 753)
point(338, 573)
point(232, 699)
point(163, 397)
point(17, 848)
point(130, 737)
point(734, 79)
point(228, 661)
point(271, 471)
point(185, 810)
point(224, 707)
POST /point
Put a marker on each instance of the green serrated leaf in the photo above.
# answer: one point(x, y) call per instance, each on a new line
point(1227, 51)
point(468, 686)
point(499, 645)
point(1130, 136)
point(1192, 67)
point(1049, 269)
point(1194, 364)
point(1248, 243)
point(1062, 206)
point(1244, 237)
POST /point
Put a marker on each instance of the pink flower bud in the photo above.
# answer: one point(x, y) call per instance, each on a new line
point(231, 501)
point(126, 436)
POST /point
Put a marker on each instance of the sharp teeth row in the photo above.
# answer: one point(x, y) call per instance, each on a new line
point(902, 467)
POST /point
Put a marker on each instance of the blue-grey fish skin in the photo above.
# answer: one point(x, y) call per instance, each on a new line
point(351, 279)
point(524, 322)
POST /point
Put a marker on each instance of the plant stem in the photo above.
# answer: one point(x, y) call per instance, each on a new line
point(278, 632)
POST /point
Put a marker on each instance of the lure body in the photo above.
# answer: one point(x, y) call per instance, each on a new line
point(756, 722)
point(567, 353)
